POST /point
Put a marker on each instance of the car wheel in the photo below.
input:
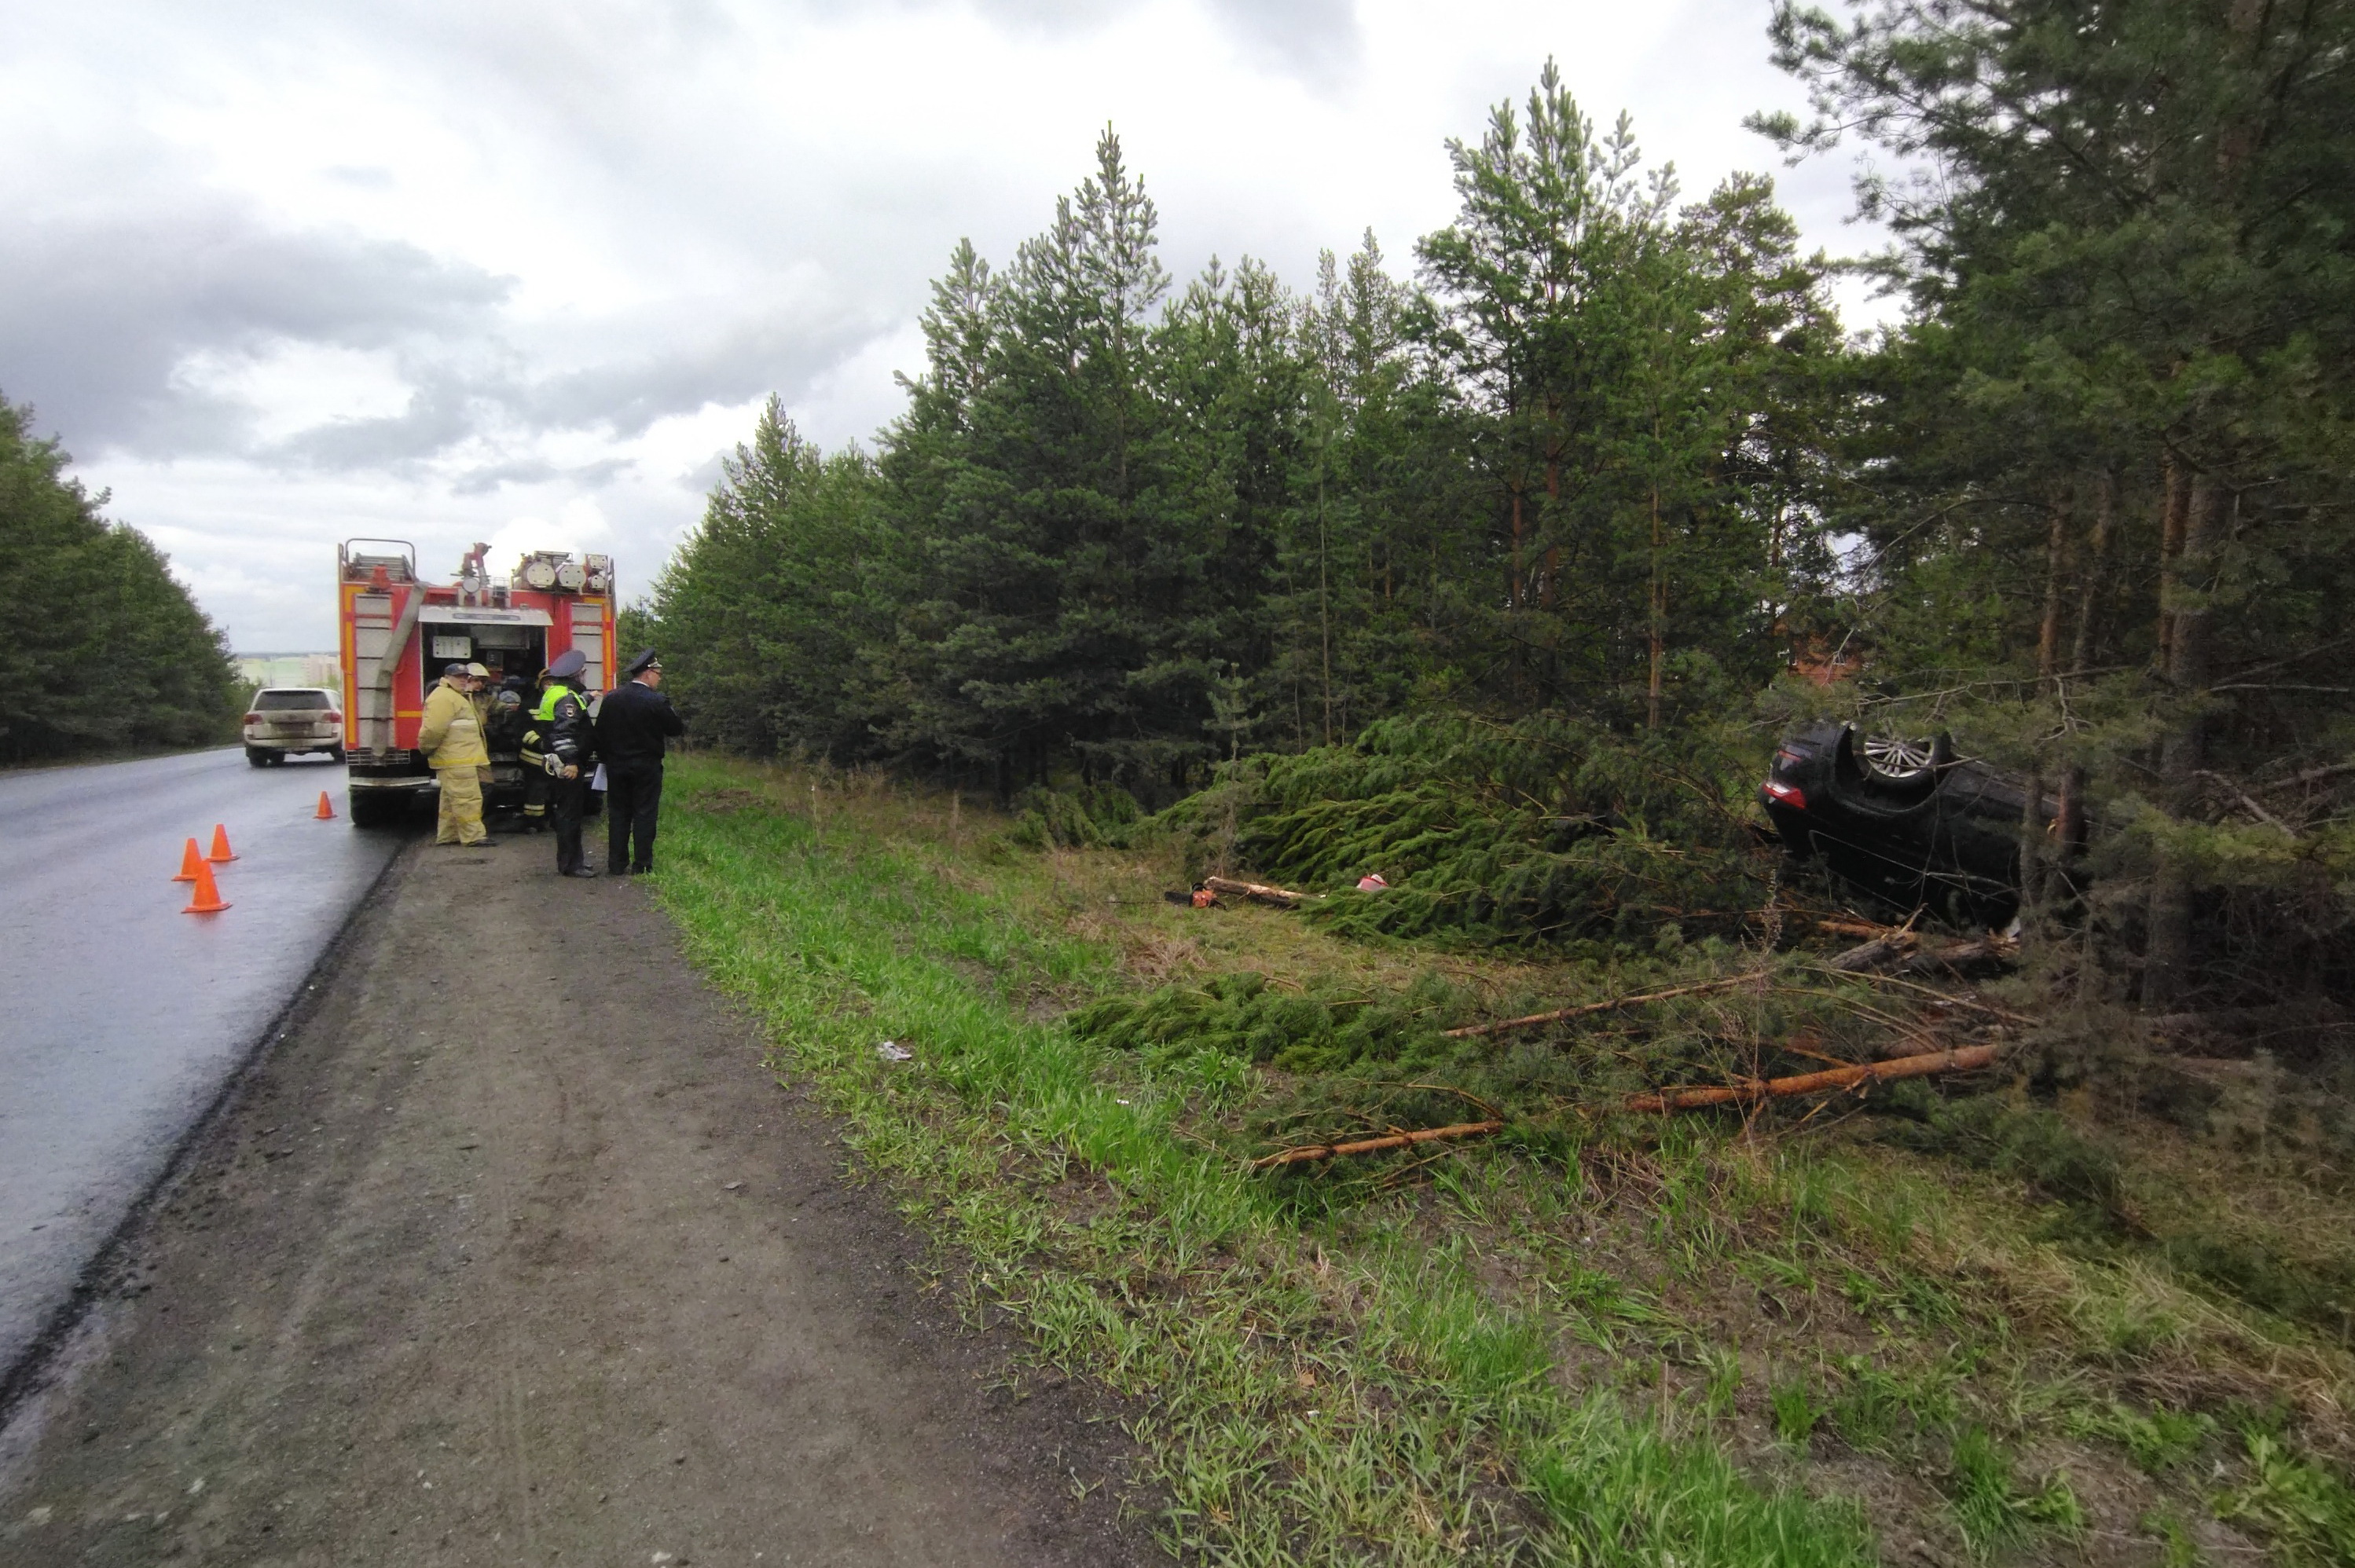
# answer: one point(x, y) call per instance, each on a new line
point(1899, 758)
point(337, 756)
point(256, 756)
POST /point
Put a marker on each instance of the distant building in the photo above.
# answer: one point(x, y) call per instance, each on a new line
point(291, 670)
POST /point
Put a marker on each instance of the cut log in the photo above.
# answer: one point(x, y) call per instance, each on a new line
point(1864, 1073)
point(1558, 1014)
point(1310, 1152)
point(1282, 897)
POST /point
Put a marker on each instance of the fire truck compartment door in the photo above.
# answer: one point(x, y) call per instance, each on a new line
point(589, 636)
point(378, 641)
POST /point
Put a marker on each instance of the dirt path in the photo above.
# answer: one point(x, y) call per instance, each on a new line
point(480, 1271)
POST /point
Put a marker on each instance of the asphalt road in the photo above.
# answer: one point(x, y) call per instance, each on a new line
point(120, 1018)
point(547, 1270)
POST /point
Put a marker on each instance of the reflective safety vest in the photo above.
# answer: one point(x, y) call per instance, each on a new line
point(535, 732)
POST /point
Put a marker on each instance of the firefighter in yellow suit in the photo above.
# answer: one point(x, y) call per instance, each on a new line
point(452, 739)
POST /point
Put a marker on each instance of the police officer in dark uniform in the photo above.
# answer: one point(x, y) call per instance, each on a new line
point(633, 723)
point(568, 742)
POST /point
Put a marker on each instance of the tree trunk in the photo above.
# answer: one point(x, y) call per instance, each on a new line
point(1659, 608)
point(2033, 848)
point(2069, 827)
point(1513, 568)
point(2186, 615)
point(1323, 602)
point(2178, 507)
point(1553, 552)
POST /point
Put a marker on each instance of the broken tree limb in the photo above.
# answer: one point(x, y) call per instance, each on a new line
point(1309, 1152)
point(1877, 953)
point(1282, 897)
point(1937, 997)
point(1960, 1059)
point(1558, 1014)
point(2246, 799)
point(1895, 950)
point(1991, 954)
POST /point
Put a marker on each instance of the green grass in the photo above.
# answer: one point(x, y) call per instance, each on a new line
point(1298, 1401)
point(1591, 1339)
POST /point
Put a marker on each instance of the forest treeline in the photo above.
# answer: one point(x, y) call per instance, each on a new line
point(104, 651)
point(1602, 454)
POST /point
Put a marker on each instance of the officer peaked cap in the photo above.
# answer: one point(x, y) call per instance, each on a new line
point(568, 663)
point(643, 662)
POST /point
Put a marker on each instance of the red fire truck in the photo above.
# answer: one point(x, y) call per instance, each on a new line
point(398, 631)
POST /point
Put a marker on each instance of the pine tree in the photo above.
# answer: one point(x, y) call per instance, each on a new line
point(2133, 334)
point(105, 649)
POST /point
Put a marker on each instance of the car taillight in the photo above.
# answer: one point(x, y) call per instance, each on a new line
point(253, 718)
point(1790, 795)
point(332, 716)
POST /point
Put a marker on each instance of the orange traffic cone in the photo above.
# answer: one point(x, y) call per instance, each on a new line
point(221, 855)
point(325, 813)
point(206, 899)
point(191, 862)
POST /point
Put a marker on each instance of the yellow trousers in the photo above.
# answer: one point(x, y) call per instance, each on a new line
point(461, 806)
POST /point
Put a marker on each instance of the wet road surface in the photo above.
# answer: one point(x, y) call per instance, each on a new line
point(120, 1018)
point(553, 1271)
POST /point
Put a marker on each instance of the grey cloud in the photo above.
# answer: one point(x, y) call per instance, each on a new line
point(445, 410)
point(494, 476)
point(706, 475)
point(1318, 40)
point(742, 359)
point(98, 316)
point(97, 313)
point(621, 395)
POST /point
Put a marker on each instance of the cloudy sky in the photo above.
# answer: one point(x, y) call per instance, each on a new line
point(450, 270)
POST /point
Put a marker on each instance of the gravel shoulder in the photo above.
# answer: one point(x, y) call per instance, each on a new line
point(510, 1250)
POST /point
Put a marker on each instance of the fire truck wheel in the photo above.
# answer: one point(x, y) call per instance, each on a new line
point(376, 808)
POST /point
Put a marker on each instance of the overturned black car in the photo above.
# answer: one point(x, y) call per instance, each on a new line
point(1905, 821)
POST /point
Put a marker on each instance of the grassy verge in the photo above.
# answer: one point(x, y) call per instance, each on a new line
point(1584, 1342)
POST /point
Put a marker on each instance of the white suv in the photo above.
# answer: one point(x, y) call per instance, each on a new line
point(283, 720)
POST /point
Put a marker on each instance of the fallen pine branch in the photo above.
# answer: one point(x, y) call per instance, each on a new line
point(1282, 897)
point(1309, 1152)
point(1856, 928)
point(1939, 997)
point(1961, 1059)
point(1558, 1014)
